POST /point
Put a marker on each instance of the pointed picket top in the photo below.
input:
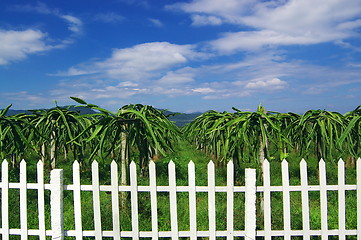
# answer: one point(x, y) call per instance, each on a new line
point(321, 162)
point(151, 163)
point(5, 162)
point(191, 171)
point(341, 163)
point(191, 164)
point(210, 165)
point(171, 164)
point(23, 170)
point(303, 163)
point(133, 166)
point(284, 163)
point(23, 163)
point(76, 165)
point(94, 164)
point(230, 162)
point(265, 162)
point(40, 165)
point(113, 164)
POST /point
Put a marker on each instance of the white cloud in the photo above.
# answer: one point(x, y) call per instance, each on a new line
point(139, 62)
point(17, 45)
point(230, 9)
point(156, 22)
point(272, 84)
point(274, 22)
point(75, 24)
point(204, 90)
point(110, 17)
point(201, 20)
point(18, 98)
point(182, 76)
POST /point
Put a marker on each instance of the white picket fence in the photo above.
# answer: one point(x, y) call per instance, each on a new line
point(250, 190)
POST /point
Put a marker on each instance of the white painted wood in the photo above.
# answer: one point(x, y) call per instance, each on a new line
point(134, 200)
point(267, 200)
point(173, 200)
point(211, 201)
point(230, 198)
point(323, 199)
point(41, 201)
point(23, 202)
point(56, 186)
point(341, 200)
point(77, 201)
point(358, 192)
point(192, 201)
point(96, 201)
point(250, 204)
point(305, 200)
point(5, 200)
point(115, 199)
point(153, 199)
point(56, 203)
point(286, 201)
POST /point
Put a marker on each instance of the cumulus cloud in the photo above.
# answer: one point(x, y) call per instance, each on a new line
point(17, 45)
point(275, 23)
point(139, 62)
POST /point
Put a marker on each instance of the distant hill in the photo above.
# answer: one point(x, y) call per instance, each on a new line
point(180, 119)
point(82, 110)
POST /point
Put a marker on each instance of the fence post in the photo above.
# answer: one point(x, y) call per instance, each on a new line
point(56, 204)
point(250, 204)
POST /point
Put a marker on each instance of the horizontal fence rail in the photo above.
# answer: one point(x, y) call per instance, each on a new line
point(258, 202)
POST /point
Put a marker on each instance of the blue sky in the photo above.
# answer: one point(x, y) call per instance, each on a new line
point(187, 56)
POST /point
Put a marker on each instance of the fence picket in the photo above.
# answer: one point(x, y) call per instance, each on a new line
point(211, 201)
point(173, 200)
point(323, 200)
point(153, 199)
point(267, 200)
point(134, 200)
point(305, 200)
point(41, 201)
point(115, 199)
point(286, 200)
point(77, 201)
point(56, 203)
point(341, 200)
point(230, 198)
point(23, 201)
point(5, 200)
point(250, 189)
point(192, 201)
point(250, 204)
point(96, 201)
